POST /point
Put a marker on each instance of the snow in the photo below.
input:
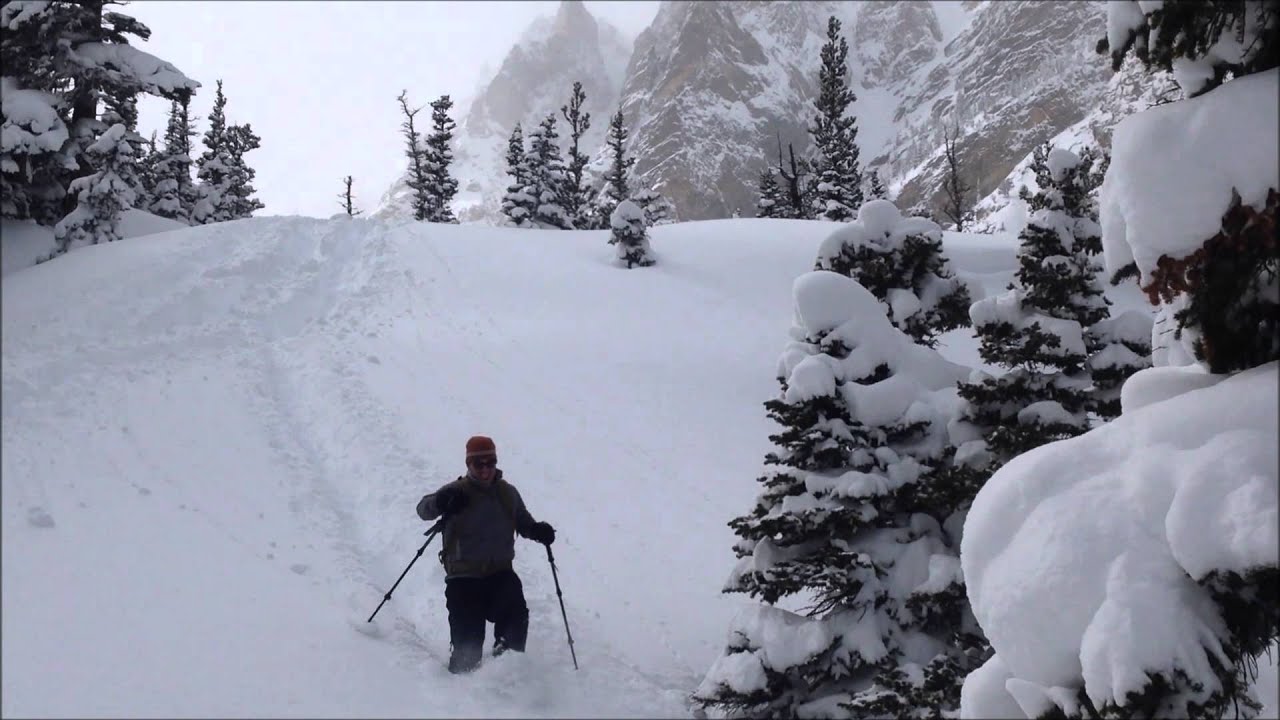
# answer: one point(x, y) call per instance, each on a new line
point(1111, 529)
point(24, 241)
point(31, 122)
point(155, 76)
point(218, 434)
point(1196, 151)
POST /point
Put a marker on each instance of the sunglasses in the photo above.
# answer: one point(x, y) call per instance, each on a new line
point(485, 462)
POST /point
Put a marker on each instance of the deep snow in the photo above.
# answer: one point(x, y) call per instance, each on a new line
point(214, 439)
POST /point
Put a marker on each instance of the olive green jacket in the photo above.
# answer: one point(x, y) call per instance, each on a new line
point(480, 539)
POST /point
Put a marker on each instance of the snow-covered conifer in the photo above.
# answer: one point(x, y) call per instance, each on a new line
point(630, 235)
point(875, 188)
point(1036, 329)
point(547, 176)
point(657, 209)
point(900, 261)
point(240, 202)
point(442, 185)
point(213, 167)
point(577, 195)
point(100, 197)
point(518, 204)
point(849, 521)
point(419, 180)
point(768, 195)
point(838, 190)
point(175, 194)
point(617, 186)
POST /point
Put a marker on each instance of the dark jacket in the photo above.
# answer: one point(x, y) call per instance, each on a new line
point(480, 540)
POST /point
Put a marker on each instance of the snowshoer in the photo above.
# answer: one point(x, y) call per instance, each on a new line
point(483, 512)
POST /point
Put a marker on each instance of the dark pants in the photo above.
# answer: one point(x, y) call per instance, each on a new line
point(498, 598)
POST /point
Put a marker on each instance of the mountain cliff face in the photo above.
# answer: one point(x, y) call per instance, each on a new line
point(710, 89)
point(535, 78)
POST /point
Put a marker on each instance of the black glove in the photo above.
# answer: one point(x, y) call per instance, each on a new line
point(450, 500)
point(543, 533)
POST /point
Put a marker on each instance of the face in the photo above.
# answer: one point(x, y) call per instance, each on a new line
point(484, 467)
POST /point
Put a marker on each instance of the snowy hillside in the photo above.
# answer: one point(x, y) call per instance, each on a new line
point(214, 439)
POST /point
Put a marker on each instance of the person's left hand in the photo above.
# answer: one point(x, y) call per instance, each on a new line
point(542, 532)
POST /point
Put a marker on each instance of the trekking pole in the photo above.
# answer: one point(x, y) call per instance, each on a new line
point(431, 534)
point(560, 595)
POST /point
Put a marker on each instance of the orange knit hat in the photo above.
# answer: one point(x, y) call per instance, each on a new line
point(480, 445)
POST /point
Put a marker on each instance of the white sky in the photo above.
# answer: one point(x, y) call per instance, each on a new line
point(318, 80)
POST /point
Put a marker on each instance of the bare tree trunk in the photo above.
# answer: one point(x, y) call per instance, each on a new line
point(345, 197)
point(957, 206)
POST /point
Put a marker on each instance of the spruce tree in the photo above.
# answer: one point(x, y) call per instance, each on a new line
point(102, 196)
point(147, 169)
point(900, 261)
point(213, 167)
point(1036, 329)
point(442, 186)
point(577, 195)
point(875, 189)
point(547, 176)
point(617, 186)
point(419, 180)
point(835, 133)
point(630, 235)
point(657, 209)
point(241, 203)
point(768, 196)
point(175, 194)
point(856, 519)
point(518, 204)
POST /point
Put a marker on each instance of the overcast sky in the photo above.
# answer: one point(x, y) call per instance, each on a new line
point(318, 80)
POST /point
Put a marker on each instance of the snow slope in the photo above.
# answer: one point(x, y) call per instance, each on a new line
point(214, 438)
point(24, 241)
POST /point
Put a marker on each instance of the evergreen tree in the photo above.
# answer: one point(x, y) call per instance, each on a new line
point(839, 181)
point(175, 194)
point(346, 199)
point(547, 176)
point(240, 201)
point(875, 189)
point(769, 196)
point(213, 167)
point(857, 517)
point(630, 235)
point(1036, 330)
point(577, 195)
point(442, 186)
point(60, 59)
point(900, 261)
point(657, 209)
point(147, 173)
point(419, 181)
point(617, 186)
point(100, 197)
point(518, 204)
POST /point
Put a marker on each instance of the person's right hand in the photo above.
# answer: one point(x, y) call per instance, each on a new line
point(450, 500)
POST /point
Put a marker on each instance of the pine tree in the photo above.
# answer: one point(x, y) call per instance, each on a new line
point(175, 195)
point(857, 517)
point(213, 167)
point(442, 186)
point(547, 176)
point(419, 171)
point(147, 168)
point(835, 133)
point(617, 186)
point(102, 196)
point(577, 200)
point(518, 204)
point(241, 203)
point(875, 189)
point(346, 199)
point(900, 261)
point(60, 59)
point(768, 201)
point(1036, 330)
point(657, 209)
point(630, 235)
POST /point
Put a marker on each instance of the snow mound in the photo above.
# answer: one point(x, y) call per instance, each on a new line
point(1108, 533)
point(1224, 139)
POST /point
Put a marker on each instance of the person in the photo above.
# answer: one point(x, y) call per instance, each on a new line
point(482, 512)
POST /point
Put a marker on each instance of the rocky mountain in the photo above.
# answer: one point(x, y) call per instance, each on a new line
point(535, 79)
point(710, 89)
